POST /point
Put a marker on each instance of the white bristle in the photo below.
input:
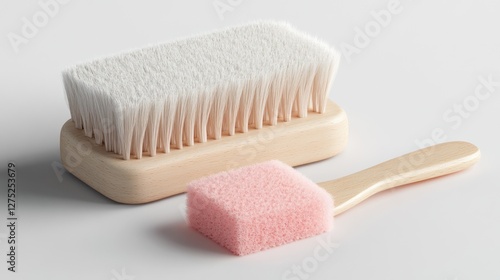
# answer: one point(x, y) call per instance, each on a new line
point(192, 90)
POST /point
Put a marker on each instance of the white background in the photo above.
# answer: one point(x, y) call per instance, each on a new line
point(397, 89)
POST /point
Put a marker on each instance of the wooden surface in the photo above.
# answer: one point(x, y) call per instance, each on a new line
point(300, 141)
point(420, 165)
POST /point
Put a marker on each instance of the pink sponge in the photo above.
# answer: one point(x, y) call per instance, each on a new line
point(256, 207)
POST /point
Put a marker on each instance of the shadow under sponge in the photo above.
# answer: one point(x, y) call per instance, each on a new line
point(257, 207)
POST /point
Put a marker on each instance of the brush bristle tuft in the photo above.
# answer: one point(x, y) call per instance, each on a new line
point(192, 90)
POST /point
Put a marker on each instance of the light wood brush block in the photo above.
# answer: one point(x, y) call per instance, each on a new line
point(297, 142)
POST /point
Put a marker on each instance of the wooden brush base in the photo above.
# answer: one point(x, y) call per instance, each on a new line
point(134, 181)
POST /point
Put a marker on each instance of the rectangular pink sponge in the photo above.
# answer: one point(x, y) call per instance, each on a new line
point(256, 207)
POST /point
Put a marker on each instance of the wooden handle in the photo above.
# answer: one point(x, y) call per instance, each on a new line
point(430, 162)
